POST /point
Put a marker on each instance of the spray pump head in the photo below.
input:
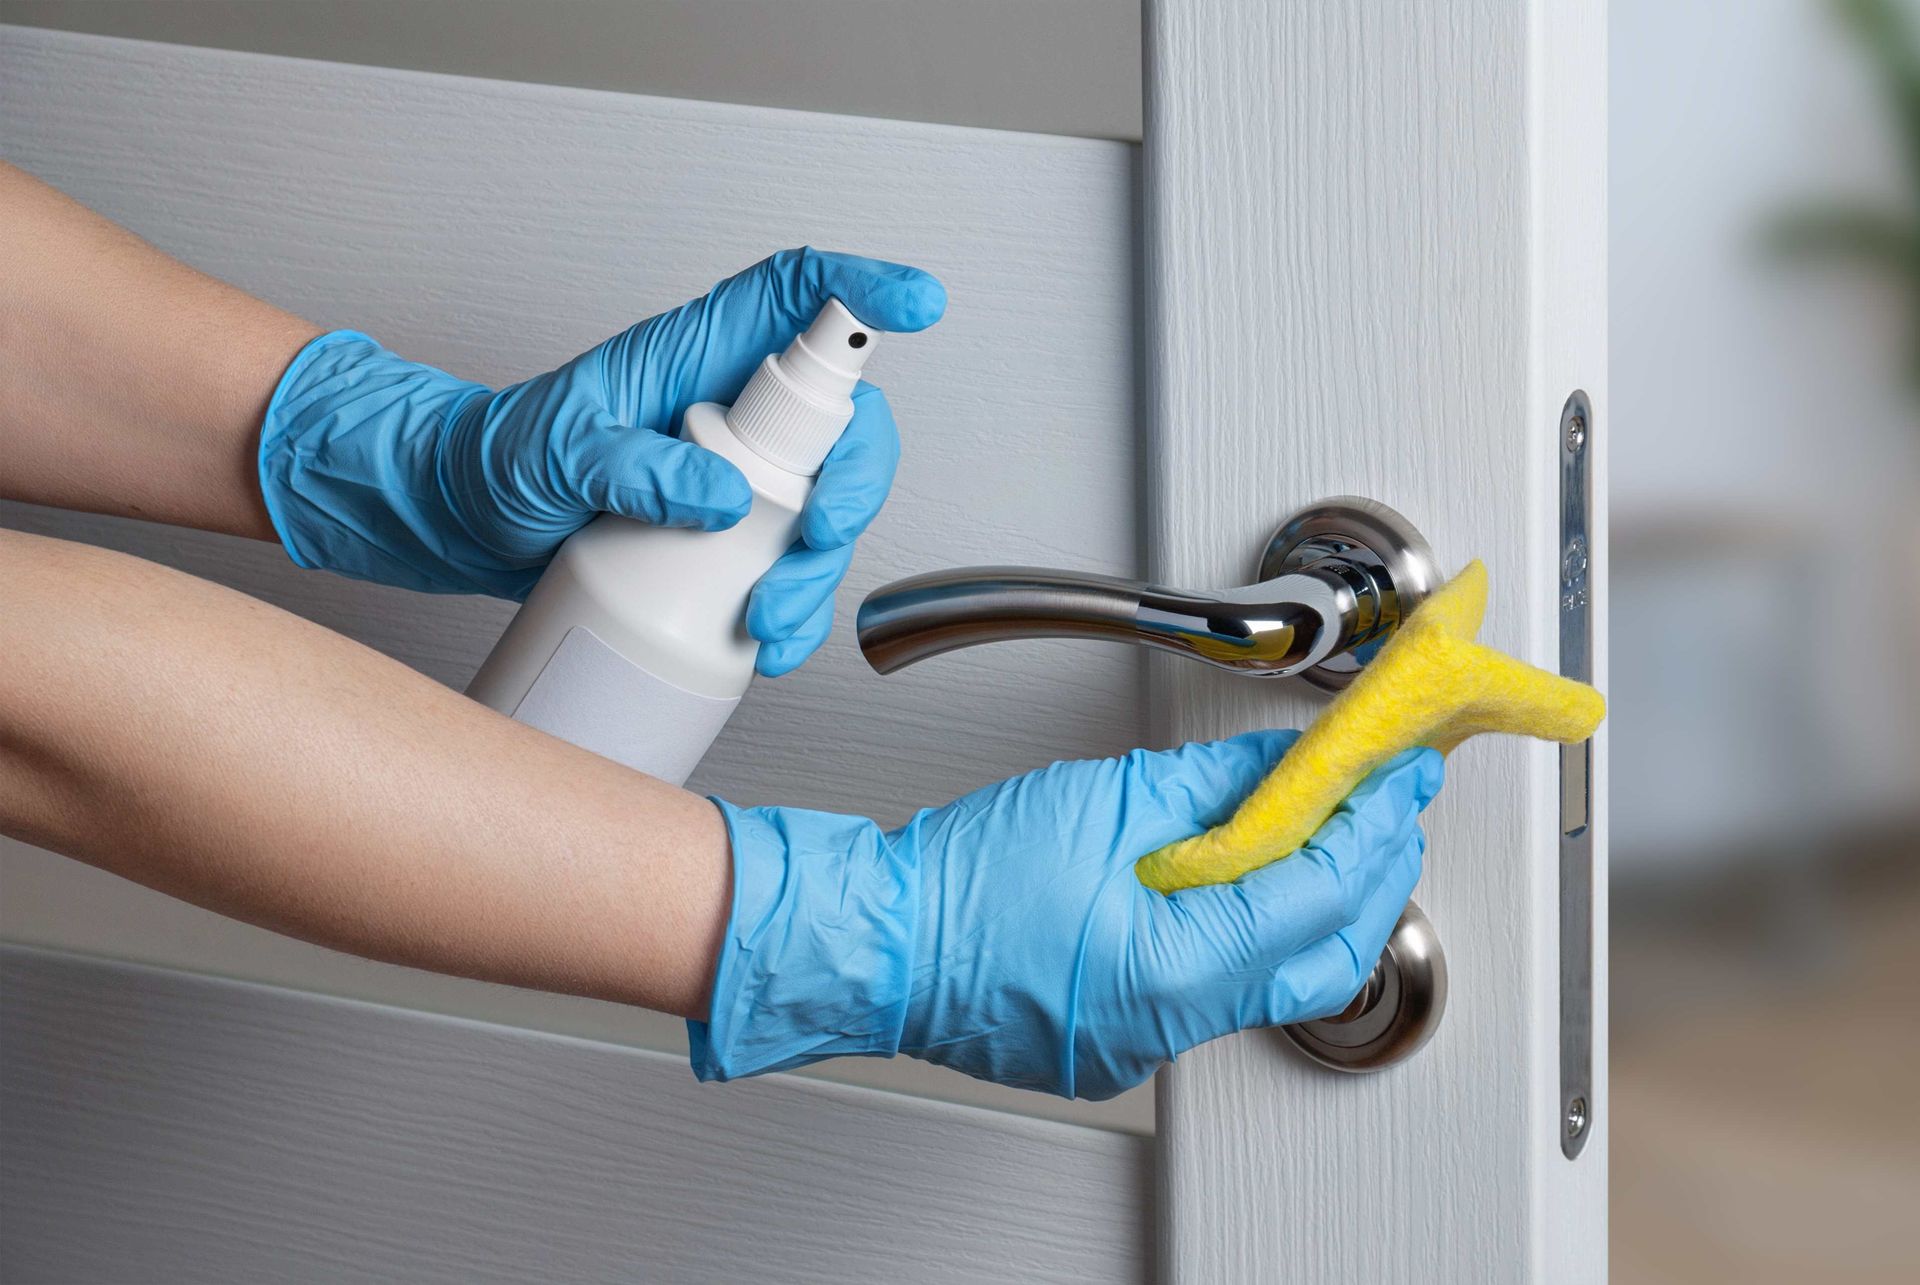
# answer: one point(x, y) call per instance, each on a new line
point(799, 402)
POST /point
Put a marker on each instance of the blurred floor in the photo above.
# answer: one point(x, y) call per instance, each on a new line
point(1766, 1079)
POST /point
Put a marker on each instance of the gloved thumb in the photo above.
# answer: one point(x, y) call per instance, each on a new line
point(656, 479)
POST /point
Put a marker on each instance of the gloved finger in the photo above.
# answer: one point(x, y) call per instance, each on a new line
point(652, 478)
point(1323, 978)
point(793, 589)
point(1267, 915)
point(1400, 788)
point(1198, 785)
point(706, 349)
point(856, 476)
point(886, 296)
point(791, 652)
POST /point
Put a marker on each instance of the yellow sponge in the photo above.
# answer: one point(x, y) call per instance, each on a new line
point(1432, 684)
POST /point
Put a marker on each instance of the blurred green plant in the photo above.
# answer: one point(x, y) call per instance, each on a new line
point(1884, 239)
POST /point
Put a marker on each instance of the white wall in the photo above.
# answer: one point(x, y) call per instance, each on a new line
point(1765, 461)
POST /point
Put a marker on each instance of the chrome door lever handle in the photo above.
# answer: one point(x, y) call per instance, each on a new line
point(1334, 581)
point(1278, 627)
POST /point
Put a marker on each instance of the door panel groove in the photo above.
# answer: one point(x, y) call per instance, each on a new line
point(161, 1126)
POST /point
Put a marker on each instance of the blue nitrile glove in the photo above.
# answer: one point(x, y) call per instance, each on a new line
point(1006, 935)
point(384, 469)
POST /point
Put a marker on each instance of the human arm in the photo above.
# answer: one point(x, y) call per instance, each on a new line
point(130, 383)
point(134, 385)
point(225, 752)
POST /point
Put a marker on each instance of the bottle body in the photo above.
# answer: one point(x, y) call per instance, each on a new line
point(634, 643)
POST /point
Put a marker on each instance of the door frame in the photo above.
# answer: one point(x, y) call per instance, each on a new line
point(1375, 241)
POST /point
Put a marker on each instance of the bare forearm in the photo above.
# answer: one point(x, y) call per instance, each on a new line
point(129, 383)
point(225, 752)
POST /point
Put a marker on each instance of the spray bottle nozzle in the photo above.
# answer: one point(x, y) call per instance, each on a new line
point(829, 355)
point(799, 402)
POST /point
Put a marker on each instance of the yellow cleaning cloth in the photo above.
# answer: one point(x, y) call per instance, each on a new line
point(1432, 684)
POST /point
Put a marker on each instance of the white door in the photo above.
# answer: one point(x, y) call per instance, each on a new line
point(1375, 245)
point(1371, 240)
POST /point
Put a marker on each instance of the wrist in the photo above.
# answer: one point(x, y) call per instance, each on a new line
point(817, 957)
point(347, 409)
point(280, 426)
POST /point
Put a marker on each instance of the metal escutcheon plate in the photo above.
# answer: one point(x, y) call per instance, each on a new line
point(1394, 1014)
point(1372, 535)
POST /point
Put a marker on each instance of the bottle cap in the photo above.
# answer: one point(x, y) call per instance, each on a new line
point(799, 402)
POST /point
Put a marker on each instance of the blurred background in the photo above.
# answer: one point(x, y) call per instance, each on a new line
point(1765, 268)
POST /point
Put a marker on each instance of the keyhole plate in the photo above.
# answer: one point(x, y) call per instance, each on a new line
point(1396, 1011)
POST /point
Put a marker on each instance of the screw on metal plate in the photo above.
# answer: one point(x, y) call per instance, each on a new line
point(1576, 428)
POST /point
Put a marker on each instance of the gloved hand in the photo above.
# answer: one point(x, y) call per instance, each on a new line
point(1006, 935)
point(388, 470)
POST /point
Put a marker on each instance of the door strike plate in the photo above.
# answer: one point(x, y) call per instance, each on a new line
point(1575, 1118)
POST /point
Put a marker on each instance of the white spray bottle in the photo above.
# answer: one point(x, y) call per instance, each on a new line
point(634, 643)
